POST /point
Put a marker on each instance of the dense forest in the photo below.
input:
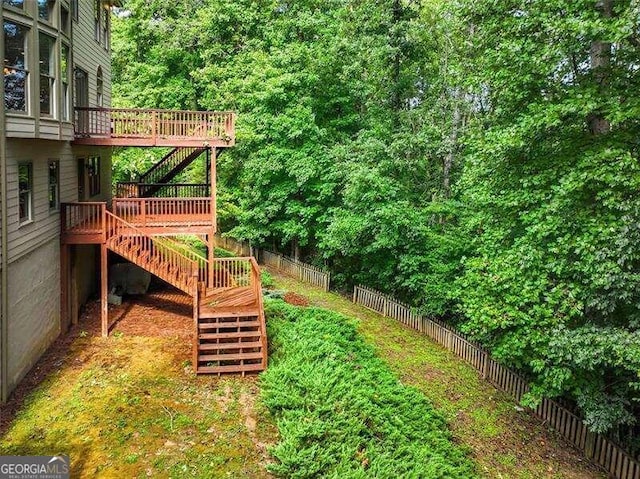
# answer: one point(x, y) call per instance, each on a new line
point(478, 159)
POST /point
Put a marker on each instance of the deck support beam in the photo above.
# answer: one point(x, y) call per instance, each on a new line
point(104, 307)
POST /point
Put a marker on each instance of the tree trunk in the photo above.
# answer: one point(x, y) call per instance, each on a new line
point(600, 57)
point(453, 143)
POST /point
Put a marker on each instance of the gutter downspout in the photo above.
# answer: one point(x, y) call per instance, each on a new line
point(4, 340)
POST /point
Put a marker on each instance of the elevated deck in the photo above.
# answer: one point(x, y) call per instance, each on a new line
point(85, 223)
point(137, 127)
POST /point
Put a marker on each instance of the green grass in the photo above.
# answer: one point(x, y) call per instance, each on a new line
point(341, 412)
point(126, 407)
point(506, 443)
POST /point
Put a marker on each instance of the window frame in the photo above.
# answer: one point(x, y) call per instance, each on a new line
point(20, 9)
point(65, 110)
point(51, 8)
point(99, 88)
point(50, 76)
point(55, 185)
point(65, 27)
point(74, 5)
point(24, 69)
point(29, 191)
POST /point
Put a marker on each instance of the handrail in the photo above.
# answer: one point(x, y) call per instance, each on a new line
point(134, 189)
point(151, 110)
point(159, 252)
point(169, 162)
point(203, 262)
point(164, 211)
point(84, 218)
point(231, 273)
point(154, 124)
point(257, 284)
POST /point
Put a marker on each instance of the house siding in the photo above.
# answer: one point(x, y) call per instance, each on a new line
point(45, 224)
point(86, 53)
point(33, 307)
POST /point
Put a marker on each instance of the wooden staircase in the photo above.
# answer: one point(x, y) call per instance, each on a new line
point(230, 329)
point(231, 323)
point(167, 169)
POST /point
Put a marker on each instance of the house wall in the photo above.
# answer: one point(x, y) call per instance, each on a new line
point(33, 251)
point(86, 53)
point(33, 308)
point(45, 224)
point(30, 262)
point(89, 54)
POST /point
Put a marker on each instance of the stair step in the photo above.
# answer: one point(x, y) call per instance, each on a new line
point(229, 313)
point(229, 324)
point(244, 334)
point(230, 369)
point(229, 357)
point(246, 345)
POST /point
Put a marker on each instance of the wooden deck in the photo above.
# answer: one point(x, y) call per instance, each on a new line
point(138, 127)
point(84, 223)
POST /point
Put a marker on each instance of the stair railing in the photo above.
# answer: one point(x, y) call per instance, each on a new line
point(257, 288)
point(157, 172)
point(231, 273)
point(157, 257)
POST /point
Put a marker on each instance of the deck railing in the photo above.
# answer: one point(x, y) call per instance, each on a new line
point(83, 218)
point(143, 212)
point(232, 273)
point(139, 123)
point(154, 255)
point(162, 190)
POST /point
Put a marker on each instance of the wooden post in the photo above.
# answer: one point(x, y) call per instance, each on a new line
point(485, 367)
point(104, 290)
point(211, 258)
point(143, 212)
point(196, 306)
point(214, 156)
point(154, 126)
point(355, 289)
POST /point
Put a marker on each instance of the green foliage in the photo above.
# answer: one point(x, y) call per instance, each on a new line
point(266, 279)
point(341, 412)
point(476, 159)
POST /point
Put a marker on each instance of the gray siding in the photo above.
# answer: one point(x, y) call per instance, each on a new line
point(86, 53)
point(45, 224)
point(34, 308)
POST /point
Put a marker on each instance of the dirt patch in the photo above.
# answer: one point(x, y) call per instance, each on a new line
point(296, 299)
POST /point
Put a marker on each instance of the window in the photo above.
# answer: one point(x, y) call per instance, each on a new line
point(96, 20)
point(64, 20)
point(45, 9)
point(105, 27)
point(65, 71)
point(99, 88)
point(47, 72)
point(25, 192)
point(75, 9)
point(54, 185)
point(14, 68)
point(93, 173)
point(14, 3)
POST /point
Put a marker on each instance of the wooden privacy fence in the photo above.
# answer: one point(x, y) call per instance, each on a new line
point(619, 463)
point(241, 248)
point(303, 271)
